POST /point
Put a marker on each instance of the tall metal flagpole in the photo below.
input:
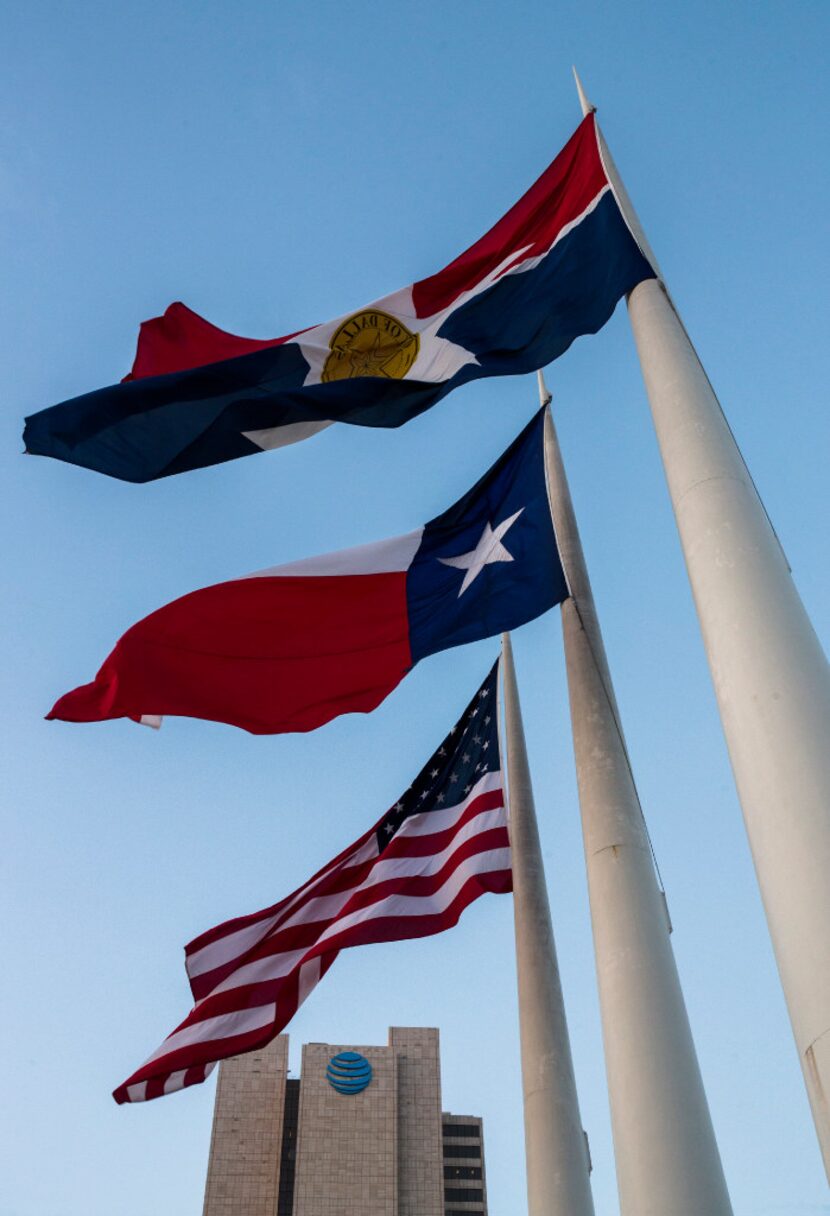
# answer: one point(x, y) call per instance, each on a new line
point(771, 676)
point(666, 1155)
point(556, 1148)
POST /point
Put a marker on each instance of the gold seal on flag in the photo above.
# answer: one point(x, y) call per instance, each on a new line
point(371, 343)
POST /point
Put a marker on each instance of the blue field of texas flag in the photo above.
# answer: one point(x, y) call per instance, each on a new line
point(553, 268)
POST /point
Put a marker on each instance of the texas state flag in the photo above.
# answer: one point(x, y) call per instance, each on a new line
point(290, 648)
point(551, 269)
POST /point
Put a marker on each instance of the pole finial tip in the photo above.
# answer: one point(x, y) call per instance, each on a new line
point(587, 107)
point(545, 395)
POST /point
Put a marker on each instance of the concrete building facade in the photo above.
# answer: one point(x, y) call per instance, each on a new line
point(360, 1133)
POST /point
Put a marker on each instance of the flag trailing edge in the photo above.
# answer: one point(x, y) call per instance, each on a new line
point(292, 647)
point(552, 269)
point(439, 847)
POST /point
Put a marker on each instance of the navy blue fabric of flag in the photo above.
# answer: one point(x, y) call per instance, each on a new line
point(491, 562)
point(551, 269)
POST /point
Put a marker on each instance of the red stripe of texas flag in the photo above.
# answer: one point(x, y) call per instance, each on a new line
point(348, 648)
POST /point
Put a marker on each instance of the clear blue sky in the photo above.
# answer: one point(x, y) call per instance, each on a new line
point(274, 166)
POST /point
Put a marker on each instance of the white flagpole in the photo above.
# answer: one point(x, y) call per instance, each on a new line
point(666, 1155)
point(556, 1148)
point(771, 676)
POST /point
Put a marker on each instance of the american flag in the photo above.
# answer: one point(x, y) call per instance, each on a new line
point(440, 846)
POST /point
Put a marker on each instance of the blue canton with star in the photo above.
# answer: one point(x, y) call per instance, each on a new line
point(490, 563)
point(469, 750)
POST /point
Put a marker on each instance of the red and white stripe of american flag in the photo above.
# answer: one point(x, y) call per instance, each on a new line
point(249, 976)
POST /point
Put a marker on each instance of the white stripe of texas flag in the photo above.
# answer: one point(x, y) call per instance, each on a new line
point(392, 556)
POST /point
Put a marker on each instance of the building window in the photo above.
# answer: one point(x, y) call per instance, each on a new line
point(462, 1171)
point(460, 1194)
point(462, 1150)
point(463, 1129)
point(288, 1152)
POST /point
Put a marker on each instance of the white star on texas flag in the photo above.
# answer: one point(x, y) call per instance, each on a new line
point(489, 549)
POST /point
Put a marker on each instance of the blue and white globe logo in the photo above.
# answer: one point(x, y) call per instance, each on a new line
point(348, 1072)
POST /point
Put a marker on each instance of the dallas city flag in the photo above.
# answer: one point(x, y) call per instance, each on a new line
point(551, 269)
point(292, 647)
point(440, 846)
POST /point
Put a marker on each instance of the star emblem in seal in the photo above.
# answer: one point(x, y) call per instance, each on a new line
point(371, 343)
